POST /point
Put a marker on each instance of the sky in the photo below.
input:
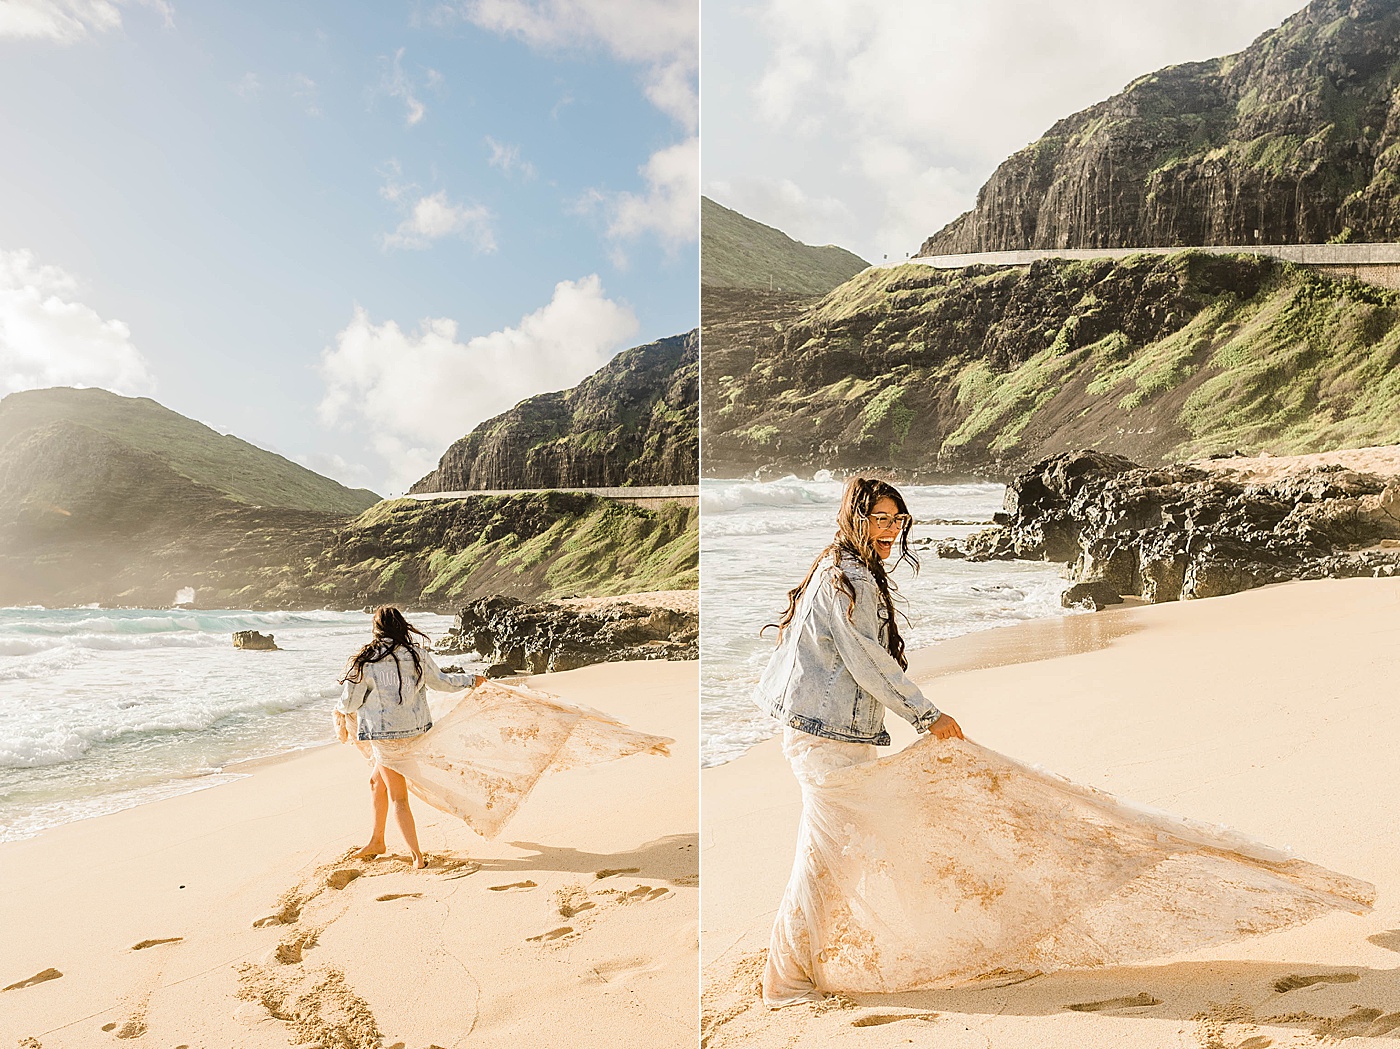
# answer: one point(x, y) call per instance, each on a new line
point(872, 123)
point(344, 231)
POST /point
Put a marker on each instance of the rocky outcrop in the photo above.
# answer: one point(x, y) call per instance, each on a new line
point(1186, 532)
point(544, 638)
point(254, 641)
point(1293, 140)
point(633, 422)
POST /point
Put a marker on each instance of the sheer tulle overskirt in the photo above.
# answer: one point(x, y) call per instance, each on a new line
point(485, 754)
point(948, 862)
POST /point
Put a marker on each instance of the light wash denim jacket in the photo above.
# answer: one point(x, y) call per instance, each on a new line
point(390, 703)
point(832, 676)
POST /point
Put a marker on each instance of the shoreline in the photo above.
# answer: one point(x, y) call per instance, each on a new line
point(154, 915)
point(1267, 711)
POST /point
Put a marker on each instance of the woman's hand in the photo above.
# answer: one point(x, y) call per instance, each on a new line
point(945, 728)
point(342, 731)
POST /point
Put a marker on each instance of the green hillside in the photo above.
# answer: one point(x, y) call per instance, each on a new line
point(985, 370)
point(235, 468)
point(737, 252)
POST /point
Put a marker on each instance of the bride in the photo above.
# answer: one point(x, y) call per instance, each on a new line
point(948, 862)
point(477, 760)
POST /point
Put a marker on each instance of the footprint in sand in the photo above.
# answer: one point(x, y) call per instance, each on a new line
point(1136, 1001)
point(398, 896)
point(1361, 1022)
point(512, 885)
point(553, 934)
point(343, 877)
point(609, 872)
point(1390, 939)
point(1257, 1042)
point(453, 869)
point(878, 1019)
point(41, 977)
point(151, 943)
point(1294, 981)
point(645, 893)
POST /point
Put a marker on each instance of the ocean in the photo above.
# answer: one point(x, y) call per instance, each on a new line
point(108, 708)
point(757, 540)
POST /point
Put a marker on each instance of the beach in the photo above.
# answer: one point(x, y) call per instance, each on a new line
point(1271, 711)
point(231, 916)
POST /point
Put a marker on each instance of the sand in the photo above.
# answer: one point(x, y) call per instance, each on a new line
point(1273, 711)
point(1382, 461)
point(230, 917)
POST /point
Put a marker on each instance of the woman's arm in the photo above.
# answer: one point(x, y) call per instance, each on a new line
point(868, 661)
point(436, 678)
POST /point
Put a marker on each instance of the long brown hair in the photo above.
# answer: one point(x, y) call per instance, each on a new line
point(391, 631)
point(853, 537)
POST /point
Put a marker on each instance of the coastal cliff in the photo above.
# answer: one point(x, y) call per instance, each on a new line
point(980, 371)
point(1296, 139)
point(633, 422)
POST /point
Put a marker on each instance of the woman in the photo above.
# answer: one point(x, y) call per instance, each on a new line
point(482, 757)
point(948, 862)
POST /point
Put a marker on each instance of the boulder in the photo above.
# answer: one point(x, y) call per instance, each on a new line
point(1095, 595)
point(254, 641)
point(544, 638)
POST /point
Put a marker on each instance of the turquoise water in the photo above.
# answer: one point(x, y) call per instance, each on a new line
point(108, 708)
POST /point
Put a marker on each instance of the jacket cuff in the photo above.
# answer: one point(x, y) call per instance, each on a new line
point(925, 720)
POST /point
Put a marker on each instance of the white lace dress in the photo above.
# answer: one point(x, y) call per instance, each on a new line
point(483, 756)
point(948, 862)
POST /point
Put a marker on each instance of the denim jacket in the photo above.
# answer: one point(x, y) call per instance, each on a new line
point(832, 676)
point(390, 703)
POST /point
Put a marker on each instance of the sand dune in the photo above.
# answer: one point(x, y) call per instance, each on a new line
point(1271, 711)
point(235, 917)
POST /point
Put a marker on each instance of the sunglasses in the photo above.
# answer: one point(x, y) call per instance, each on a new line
point(883, 522)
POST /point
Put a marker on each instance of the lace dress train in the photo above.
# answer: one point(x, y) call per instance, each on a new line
point(482, 757)
point(948, 862)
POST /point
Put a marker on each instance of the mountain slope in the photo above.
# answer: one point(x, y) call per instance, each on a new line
point(149, 434)
point(1297, 137)
point(737, 252)
point(633, 422)
point(983, 371)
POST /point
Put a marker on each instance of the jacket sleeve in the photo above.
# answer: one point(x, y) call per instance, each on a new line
point(352, 696)
point(870, 663)
point(436, 678)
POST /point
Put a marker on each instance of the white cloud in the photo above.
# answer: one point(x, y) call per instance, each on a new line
point(662, 36)
point(507, 158)
point(48, 339)
point(432, 216)
point(904, 107)
point(398, 84)
point(249, 86)
point(414, 393)
point(306, 94)
point(670, 207)
point(66, 21)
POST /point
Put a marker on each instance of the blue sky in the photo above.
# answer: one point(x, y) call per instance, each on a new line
point(344, 231)
point(873, 123)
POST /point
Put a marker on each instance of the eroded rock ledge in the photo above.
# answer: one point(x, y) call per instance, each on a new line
point(1197, 530)
point(544, 637)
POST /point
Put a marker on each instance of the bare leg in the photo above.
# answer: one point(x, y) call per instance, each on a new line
point(380, 796)
point(403, 815)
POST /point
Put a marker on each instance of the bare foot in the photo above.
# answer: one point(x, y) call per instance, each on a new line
point(420, 862)
point(370, 851)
